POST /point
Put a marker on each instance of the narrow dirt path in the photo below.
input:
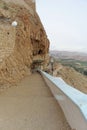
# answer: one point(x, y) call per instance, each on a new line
point(30, 106)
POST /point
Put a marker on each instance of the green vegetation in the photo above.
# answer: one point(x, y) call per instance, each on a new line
point(80, 66)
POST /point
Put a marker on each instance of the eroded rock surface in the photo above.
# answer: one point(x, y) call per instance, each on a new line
point(23, 47)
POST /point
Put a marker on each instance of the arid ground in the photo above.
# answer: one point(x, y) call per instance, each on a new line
point(30, 106)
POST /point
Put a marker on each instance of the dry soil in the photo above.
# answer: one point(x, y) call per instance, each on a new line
point(30, 106)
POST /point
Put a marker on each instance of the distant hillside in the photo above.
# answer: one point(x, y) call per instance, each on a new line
point(69, 55)
point(76, 60)
point(71, 77)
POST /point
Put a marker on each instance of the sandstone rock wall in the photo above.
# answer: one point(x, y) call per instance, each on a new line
point(23, 47)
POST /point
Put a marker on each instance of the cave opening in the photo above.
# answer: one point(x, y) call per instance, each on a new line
point(8, 33)
point(24, 28)
point(36, 64)
point(40, 52)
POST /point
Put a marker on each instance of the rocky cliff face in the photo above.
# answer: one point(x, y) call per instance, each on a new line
point(23, 47)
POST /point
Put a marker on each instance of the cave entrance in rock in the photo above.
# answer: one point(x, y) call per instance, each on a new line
point(40, 52)
point(37, 64)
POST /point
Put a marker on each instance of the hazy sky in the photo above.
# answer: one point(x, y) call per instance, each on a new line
point(65, 22)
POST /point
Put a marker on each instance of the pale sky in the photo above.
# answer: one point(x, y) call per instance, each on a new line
point(65, 22)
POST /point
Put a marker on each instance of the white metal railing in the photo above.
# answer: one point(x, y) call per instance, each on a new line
point(72, 101)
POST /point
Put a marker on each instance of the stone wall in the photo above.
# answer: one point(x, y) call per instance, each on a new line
point(23, 47)
point(31, 3)
point(7, 36)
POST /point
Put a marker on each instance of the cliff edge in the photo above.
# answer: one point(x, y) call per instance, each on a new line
point(23, 47)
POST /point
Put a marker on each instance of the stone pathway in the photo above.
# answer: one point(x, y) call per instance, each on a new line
point(30, 106)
